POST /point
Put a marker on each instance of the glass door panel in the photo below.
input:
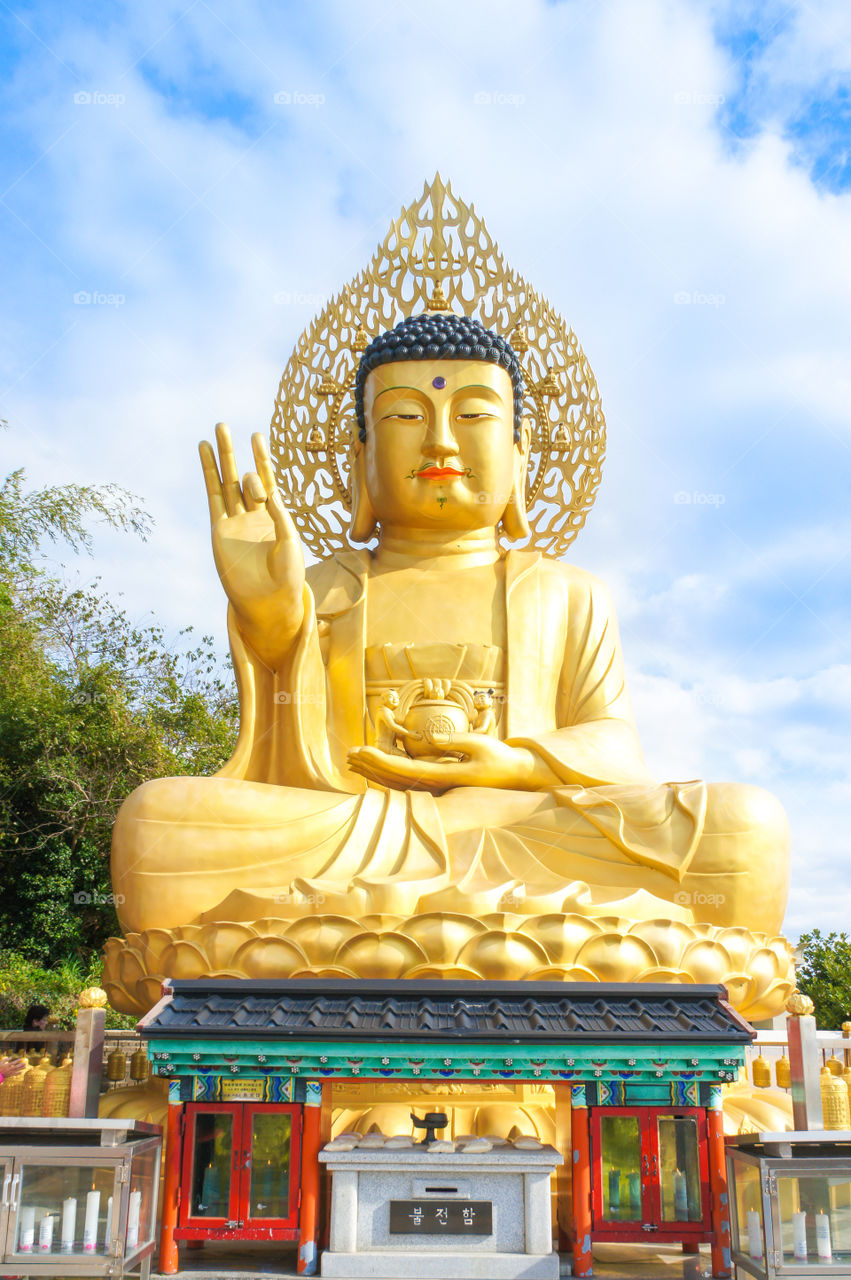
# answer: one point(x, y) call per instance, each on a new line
point(620, 1156)
point(271, 1161)
point(62, 1208)
point(812, 1213)
point(680, 1190)
point(142, 1210)
point(7, 1203)
point(210, 1157)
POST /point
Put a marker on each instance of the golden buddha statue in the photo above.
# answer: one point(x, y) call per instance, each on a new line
point(438, 769)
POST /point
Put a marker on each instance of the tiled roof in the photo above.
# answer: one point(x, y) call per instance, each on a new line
point(334, 1009)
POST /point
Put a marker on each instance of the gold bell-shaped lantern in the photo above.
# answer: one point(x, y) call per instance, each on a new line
point(783, 1072)
point(140, 1068)
point(834, 1066)
point(846, 1077)
point(57, 1089)
point(834, 1101)
point(33, 1087)
point(761, 1072)
point(116, 1066)
point(11, 1092)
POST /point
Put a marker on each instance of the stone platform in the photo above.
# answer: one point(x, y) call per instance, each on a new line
point(514, 1181)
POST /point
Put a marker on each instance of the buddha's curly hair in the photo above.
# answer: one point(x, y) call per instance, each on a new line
point(439, 336)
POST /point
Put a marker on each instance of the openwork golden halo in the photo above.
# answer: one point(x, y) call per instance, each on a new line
point(438, 255)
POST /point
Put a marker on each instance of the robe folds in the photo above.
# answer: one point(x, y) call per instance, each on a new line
point(565, 699)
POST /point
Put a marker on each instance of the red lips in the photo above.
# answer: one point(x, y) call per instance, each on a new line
point(439, 473)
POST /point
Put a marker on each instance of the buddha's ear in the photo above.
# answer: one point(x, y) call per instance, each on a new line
point(514, 520)
point(363, 523)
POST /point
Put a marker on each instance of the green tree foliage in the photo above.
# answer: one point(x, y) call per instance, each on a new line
point(824, 974)
point(23, 983)
point(91, 705)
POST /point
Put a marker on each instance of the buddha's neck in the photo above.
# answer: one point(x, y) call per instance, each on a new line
point(455, 548)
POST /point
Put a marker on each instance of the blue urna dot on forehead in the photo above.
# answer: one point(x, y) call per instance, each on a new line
point(439, 336)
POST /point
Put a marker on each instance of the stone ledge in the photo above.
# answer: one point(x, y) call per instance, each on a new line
point(393, 1265)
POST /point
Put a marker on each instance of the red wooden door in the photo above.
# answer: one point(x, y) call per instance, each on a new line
point(269, 1159)
point(650, 1173)
point(240, 1172)
point(209, 1185)
point(679, 1171)
point(621, 1162)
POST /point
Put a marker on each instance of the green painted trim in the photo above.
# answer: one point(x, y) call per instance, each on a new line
point(413, 1059)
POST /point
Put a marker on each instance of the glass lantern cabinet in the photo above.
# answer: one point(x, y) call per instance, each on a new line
point(79, 1196)
point(790, 1200)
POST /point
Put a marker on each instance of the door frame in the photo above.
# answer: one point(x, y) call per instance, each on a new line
point(208, 1228)
point(238, 1225)
point(269, 1228)
point(630, 1228)
point(651, 1224)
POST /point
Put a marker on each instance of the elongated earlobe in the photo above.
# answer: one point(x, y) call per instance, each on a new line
point(514, 522)
point(363, 524)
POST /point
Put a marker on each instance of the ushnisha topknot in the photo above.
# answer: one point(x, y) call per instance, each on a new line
point(439, 336)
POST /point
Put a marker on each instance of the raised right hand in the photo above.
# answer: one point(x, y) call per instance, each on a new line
point(256, 548)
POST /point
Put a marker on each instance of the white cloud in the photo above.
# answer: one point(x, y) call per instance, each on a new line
point(600, 167)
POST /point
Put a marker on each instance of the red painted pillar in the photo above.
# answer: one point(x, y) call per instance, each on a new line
point(311, 1142)
point(582, 1260)
point(171, 1192)
point(721, 1260)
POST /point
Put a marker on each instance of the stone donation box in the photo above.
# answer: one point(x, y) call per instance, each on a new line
point(414, 1210)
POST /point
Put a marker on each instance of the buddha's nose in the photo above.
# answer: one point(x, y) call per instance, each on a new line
point(440, 443)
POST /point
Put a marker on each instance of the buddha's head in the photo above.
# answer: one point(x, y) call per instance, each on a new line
point(441, 440)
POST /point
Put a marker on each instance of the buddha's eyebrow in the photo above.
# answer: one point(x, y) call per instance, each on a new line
point(474, 386)
point(386, 390)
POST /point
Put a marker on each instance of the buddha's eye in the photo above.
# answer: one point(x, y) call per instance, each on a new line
point(473, 417)
point(402, 417)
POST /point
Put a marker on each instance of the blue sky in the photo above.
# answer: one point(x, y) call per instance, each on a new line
point(626, 155)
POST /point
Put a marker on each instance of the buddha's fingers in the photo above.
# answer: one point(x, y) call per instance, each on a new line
point(230, 476)
point(402, 773)
point(285, 529)
point(212, 481)
point(252, 488)
point(263, 462)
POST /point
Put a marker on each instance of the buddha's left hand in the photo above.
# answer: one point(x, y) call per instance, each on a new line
point(486, 762)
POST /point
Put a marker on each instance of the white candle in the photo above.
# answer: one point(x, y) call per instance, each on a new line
point(45, 1233)
point(108, 1232)
point(26, 1233)
point(823, 1246)
point(69, 1224)
point(799, 1236)
point(90, 1229)
point(133, 1216)
point(754, 1235)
